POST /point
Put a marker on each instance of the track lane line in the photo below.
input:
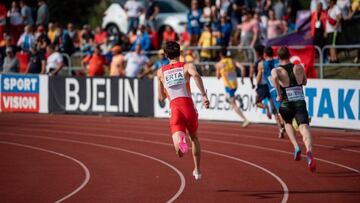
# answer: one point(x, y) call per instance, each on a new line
point(277, 178)
point(83, 166)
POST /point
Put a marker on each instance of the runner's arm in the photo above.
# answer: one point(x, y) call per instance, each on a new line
point(199, 83)
point(260, 73)
point(299, 70)
point(161, 88)
point(218, 66)
point(275, 80)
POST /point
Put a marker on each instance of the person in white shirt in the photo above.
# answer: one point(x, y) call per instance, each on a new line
point(54, 62)
point(136, 62)
point(333, 27)
point(133, 10)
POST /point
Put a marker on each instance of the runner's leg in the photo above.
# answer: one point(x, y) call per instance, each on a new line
point(196, 151)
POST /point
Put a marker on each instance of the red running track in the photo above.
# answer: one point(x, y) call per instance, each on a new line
point(71, 158)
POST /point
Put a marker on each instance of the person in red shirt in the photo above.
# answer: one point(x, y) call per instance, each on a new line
point(3, 12)
point(168, 35)
point(174, 84)
point(95, 63)
point(185, 37)
point(100, 36)
point(318, 25)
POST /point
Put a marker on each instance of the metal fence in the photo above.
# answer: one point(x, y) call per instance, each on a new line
point(244, 55)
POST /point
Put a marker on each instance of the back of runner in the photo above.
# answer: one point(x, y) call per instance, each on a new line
point(225, 69)
point(174, 84)
point(266, 89)
point(288, 80)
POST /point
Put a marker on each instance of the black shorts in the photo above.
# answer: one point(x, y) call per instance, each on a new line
point(331, 38)
point(262, 92)
point(297, 110)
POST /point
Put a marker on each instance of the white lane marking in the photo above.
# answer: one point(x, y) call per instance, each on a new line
point(173, 198)
point(205, 139)
point(282, 183)
point(83, 166)
point(211, 133)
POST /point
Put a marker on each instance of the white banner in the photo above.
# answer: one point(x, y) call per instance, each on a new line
point(331, 103)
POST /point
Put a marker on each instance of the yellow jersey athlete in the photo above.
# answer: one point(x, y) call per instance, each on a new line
point(225, 69)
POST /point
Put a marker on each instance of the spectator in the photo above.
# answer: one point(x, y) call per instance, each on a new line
point(132, 36)
point(154, 38)
point(95, 63)
point(26, 13)
point(27, 39)
point(262, 7)
point(100, 35)
point(162, 61)
point(72, 33)
point(54, 62)
point(16, 26)
point(355, 8)
point(117, 63)
point(262, 25)
point(193, 22)
point(41, 36)
point(249, 30)
point(224, 6)
point(332, 28)
point(185, 37)
point(206, 40)
point(279, 9)
point(3, 13)
point(52, 32)
point(86, 38)
point(63, 41)
point(235, 12)
point(168, 35)
point(133, 10)
point(136, 62)
point(225, 29)
point(276, 27)
point(87, 47)
point(345, 8)
point(208, 15)
point(43, 15)
point(11, 63)
point(37, 61)
point(143, 39)
point(313, 5)
point(151, 13)
point(318, 25)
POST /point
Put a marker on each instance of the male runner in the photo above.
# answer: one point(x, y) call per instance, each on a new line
point(288, 80)
point(174, 83)
point(266, 88)
point(225, 69)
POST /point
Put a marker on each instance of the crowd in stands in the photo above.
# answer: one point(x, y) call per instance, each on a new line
point(31, 37)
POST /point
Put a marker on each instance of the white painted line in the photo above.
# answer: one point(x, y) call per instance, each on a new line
point(86, 170)
point(182, 178)
point(282, 183)
point(204, 139)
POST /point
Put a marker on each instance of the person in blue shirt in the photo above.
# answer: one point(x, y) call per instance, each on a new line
point(225, 29)
point(143, 39)
point(265, 87)
point(193, 22)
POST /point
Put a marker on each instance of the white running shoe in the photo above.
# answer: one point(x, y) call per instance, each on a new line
point(245, 123)
point(196, 175)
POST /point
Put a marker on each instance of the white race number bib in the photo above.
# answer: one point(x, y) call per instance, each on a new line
point(174, 77)
point(295, 93)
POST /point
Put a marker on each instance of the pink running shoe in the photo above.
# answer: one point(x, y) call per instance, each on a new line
point(182, 143)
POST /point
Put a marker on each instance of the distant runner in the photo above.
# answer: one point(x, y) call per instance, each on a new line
point(225, 69)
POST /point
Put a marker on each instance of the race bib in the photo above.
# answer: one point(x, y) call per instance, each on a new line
point(295, 93)
point(174, 77)
point(231, 76)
